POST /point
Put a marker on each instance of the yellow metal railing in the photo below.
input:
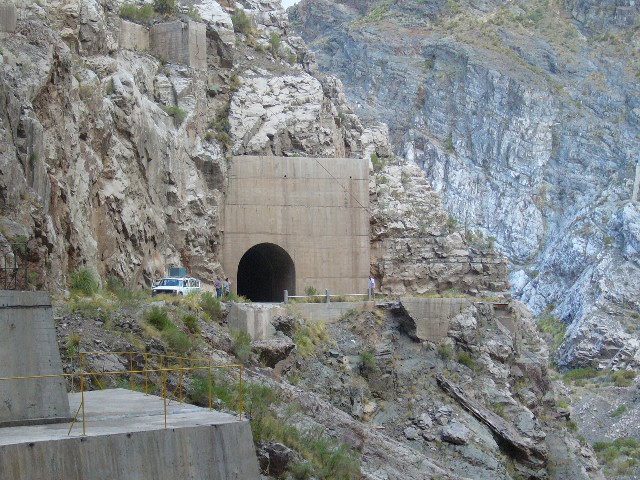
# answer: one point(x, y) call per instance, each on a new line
point(164, 370)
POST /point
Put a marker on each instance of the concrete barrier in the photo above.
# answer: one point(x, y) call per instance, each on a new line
point(8, 18)
point(133, 36)
point(180, 42)
point(254, 318)
point(126, 440)
point(428, 318)
point(28, 346)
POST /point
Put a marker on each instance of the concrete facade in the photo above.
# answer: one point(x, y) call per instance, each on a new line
point(126, 440)
point(432, 315)
point(28, 346)
point(8, 18)
point(313, 208)
point(133, 36)
point(180, 42)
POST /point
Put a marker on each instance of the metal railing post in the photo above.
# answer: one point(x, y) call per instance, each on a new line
point(286, 296)
point(328, 300)
point(146, 373)
point(210, 387)
point(180, 380)
point(130, 371)
point(370, 293)
point(240, 391)
point(164, 395)
point(84, 423)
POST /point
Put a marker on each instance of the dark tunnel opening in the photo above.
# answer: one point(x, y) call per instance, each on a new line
point(265, 271)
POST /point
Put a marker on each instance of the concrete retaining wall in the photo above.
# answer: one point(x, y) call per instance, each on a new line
point(431, 316)
point(133, 36)
point(8, 18)
point(28, 346)
point(328, 312)
point(180, 42)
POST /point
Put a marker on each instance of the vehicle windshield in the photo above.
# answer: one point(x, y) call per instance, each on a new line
point(170, 282)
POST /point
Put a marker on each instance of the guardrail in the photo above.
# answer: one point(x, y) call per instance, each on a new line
point(370, 295)
point(163, 370)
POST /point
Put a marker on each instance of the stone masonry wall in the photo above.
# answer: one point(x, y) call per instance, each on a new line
point(180, 42)
point(8, 17)
point(133, 36)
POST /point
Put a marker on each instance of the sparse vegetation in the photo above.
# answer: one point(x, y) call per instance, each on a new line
point(84, 282)
point(165, 7)
point(619, 456)
point(241, 22)
point(623, 378)
point(309, 338)
point(73, 344)
point(465, 358)
point(241, 345)
point(176, 112)
point(377, 162)
point(191, 322)
point(619, 411)
point(368, 363)
point(275, 42)
point(141, 14)
point(211, 307)
point(553, 330)
point(177, 341)
point(310, 291)
point(158, 318)
point(445, 352)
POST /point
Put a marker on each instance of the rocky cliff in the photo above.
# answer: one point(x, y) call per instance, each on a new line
point(525, 118)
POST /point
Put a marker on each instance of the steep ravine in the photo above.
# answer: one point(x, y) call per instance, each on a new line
point(525, 118)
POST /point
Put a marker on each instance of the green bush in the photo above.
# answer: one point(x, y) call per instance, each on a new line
point(176, 112)
point(73, 344)
point(621, 410)
point(159, 318)
point(241, 22)
point(377, 162)
point(623, 378)
point(465, 358)
point(554, 329)
point(211, 306)
point(581, 374)
point(241, 345)
point(368, 363)
point(84, 282)
point(310, 290)
point(275, 41)
point(165, 7)
point(143, 14)
point(445, 352)
point(178, 341)
point(191, 322)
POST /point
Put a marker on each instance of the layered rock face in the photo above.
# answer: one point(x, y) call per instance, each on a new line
point(116, 133)
point(525, 119)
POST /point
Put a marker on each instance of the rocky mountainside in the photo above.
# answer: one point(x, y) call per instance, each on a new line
point(525, 117)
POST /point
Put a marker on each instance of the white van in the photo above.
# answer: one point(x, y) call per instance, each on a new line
point(176, 286)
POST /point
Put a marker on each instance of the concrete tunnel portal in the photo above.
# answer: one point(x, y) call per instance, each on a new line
point(265, 271)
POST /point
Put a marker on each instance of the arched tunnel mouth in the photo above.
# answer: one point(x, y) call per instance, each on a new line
point(265, 271)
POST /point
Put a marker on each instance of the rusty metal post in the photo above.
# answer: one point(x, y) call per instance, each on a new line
point(146, 373)
point(130, 371)
point(210, 387)
point(84, 423)
point(180, 380)
point(164, 395)
point(240, 388)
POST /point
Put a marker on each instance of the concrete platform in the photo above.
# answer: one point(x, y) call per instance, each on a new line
point(126, 439)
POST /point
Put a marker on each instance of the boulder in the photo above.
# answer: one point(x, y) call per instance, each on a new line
point(274, 349)
point(456, 433)
point(274, 458)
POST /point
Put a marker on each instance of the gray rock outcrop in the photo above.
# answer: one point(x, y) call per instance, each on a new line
point(525, 118)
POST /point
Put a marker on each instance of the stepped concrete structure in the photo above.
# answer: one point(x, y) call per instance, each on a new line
point(129, 435)
point(126, 439)
point(294, 222)
point(28, 347)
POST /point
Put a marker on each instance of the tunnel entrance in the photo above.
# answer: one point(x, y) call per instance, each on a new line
point(265, 271)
